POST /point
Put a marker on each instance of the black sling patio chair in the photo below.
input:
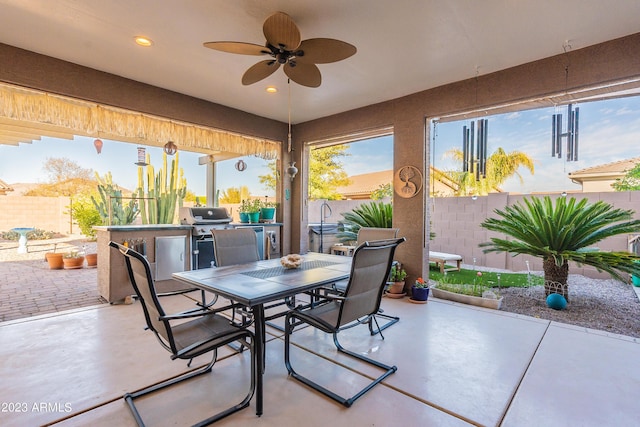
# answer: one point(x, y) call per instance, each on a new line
point(368, 234)
point(359, 304)
point(185, 335)
point(240, 246)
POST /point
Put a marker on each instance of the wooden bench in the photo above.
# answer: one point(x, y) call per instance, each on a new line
point(440, 258)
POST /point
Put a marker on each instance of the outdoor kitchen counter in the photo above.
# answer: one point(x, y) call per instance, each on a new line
point(141, 227)
point(167, 247)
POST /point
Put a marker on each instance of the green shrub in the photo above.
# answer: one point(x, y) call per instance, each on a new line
point(36, 234)
point(86, 216)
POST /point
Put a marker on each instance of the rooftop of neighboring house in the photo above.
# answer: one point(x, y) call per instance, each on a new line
point(361, 186)
point(607, 170)
point(4, 187)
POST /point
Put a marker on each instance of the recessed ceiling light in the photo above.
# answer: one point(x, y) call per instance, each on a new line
point(271, 89)
point(143, 41)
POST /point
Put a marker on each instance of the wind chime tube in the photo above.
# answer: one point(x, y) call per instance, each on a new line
point(558, 141)
point(472, 155)
point(483, 126)
point(465, 149)
point(486, 141)
point(569, 133)
point(553, 135)
point(575, 134)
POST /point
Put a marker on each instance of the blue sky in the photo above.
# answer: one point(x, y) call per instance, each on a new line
point(609, 131)
point(23, 164)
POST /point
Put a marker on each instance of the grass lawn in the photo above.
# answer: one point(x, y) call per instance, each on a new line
point(488, 278)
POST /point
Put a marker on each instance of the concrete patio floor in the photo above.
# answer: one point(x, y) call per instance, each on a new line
point(456, 366)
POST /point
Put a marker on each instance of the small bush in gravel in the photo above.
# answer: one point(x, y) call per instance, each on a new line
point(36, 234)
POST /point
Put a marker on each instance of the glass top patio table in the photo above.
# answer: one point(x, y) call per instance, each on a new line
point(256, 283)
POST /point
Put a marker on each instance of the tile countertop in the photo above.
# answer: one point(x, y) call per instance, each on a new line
point(142, 227)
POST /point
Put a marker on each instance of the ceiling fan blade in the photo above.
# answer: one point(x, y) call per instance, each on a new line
point(324, 51)
point(238, 47)
point(259, 71)
point(280, 31)
point(304, 74)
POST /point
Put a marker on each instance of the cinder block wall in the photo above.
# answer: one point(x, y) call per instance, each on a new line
point(46, 213)
point(456, 222)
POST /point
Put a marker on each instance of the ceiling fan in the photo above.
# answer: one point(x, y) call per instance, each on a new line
point(299, 58)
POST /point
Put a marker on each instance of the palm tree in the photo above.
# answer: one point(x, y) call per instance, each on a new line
point(500, 167)
point(562, 233)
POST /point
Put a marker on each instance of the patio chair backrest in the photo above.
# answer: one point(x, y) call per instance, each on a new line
point(235, 246)
point(141, 279)
point(366, 234)
point(369, 270)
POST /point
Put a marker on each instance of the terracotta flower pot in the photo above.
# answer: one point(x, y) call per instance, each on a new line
point(55, 260)
point(396, 287)
point(92, 260)
point(71, 263)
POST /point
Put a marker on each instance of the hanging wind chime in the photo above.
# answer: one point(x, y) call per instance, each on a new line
point(475, 162)
point(571, 134)
point(572, 121)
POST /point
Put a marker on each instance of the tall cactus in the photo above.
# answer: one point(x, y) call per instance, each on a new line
point(111, 195)
point(161, 196)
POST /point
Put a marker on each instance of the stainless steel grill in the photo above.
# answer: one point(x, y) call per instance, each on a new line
point(205, 219)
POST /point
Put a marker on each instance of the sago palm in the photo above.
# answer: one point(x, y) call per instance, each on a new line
point(561, 233)
point(373, 214)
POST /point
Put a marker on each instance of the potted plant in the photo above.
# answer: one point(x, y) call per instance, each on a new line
point(92, 260)
point(55, 260)
point(73, 259)
point(395, 285)
point(268, 211)
point(250, 211)
point(420, 290)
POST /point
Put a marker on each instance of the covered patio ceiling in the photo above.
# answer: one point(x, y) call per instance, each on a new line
point(26, 115)
point(403, 47)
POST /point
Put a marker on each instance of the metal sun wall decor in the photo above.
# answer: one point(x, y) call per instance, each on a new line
point(407, 181)
point(571, 134)
point(475, 162)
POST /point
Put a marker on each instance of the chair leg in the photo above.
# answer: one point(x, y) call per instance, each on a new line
point(391, 320)
point(347, 402)
point(129, 397)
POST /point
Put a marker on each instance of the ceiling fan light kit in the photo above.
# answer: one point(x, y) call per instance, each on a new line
point(284, 46)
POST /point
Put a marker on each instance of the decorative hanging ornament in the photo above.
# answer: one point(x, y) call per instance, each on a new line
point(241, 165)
point(142, 157)
point(98, 144)
point(170, 148)
point(292, 170)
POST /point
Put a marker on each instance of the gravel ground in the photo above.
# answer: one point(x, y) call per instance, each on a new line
point(607, 305)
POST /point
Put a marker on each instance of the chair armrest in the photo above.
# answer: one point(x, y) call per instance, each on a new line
point(334, 297)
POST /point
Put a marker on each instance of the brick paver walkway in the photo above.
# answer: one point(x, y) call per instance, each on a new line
point(29, 288)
